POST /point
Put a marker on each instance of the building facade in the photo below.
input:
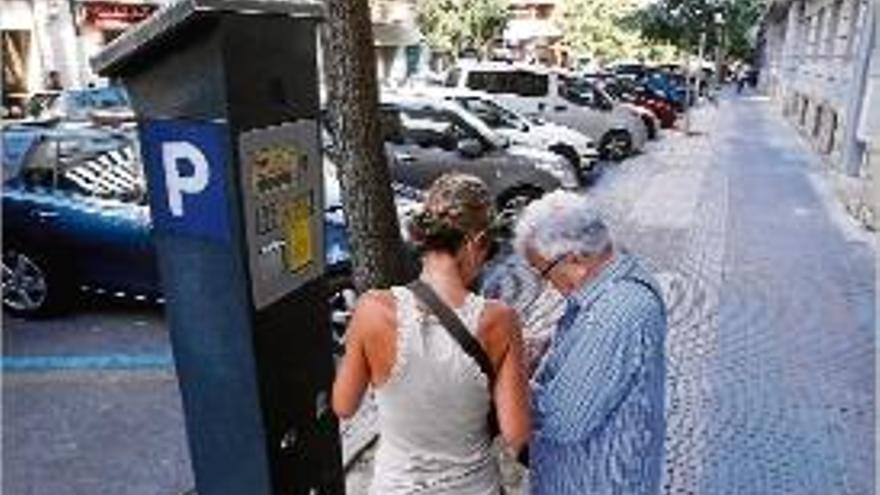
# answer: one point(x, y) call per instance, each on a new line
point(47, 44)
point(533, 33)
point(400, 48)
point(820, 64)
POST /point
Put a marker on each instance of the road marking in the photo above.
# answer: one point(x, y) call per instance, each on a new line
point(86, 362)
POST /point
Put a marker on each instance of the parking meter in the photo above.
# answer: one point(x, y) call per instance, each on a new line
point(227, 100)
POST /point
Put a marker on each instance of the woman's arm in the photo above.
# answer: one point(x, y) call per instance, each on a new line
point(353, 375)
point(511, 385)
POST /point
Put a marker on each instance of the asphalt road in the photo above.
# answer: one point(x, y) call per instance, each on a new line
point(91, 405)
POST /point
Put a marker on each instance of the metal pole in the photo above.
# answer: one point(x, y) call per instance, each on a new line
point(700, 56)
point(718, 60)
point(699, 78)
point(687, 95)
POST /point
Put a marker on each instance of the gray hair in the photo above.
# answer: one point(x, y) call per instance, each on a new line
point(559, 223)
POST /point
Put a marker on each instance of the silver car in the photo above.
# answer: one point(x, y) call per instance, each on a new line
point(427, 137)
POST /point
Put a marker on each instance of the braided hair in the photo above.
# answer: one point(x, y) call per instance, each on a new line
point(456, 206)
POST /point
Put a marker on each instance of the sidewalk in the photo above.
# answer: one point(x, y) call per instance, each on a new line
point(771, 291)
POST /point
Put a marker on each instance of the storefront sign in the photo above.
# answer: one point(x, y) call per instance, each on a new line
point(113, 14)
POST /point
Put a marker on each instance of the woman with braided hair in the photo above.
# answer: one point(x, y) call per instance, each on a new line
point(435, 398)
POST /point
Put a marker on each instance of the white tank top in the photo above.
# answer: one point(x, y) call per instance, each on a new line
point(432, 410)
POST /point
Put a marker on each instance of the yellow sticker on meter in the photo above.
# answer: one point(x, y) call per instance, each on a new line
point(298, 233)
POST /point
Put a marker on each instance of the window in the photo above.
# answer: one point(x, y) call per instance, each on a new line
point(531, 84)
point(817, 34)
point(833, 28)
point(493, 115)
point(852, 33)
point(583, 93)
point(452, 78)
point(491, 82)
point(390, 124)
point(522, 83)
point(432, 128)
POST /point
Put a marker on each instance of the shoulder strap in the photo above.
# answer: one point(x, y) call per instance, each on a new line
point(650, 286)
point(453, 324)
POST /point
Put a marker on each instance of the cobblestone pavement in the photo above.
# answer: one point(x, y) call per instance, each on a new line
point(771, 296)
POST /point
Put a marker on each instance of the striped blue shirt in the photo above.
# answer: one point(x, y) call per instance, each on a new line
point(598, 395)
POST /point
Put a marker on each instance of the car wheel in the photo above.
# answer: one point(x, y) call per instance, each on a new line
point(30, 290)
point(567, 152)
point(616, 145)
point(341, 298)
point(651, 128)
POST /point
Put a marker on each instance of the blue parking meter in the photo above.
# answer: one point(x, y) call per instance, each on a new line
point(226, 96)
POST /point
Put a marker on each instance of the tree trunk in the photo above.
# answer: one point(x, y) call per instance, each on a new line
point(353, 113)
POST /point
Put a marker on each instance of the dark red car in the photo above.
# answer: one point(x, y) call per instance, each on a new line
point(632, 92)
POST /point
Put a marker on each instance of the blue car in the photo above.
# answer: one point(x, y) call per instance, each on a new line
point(669, 87)
point(72, 221)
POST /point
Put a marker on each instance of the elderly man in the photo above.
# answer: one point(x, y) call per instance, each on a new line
point(598, 392)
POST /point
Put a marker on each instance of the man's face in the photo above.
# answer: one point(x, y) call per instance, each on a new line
point(567, 272)
point(550, 270)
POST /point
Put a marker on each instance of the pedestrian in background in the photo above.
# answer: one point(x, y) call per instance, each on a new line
point(433, 397)
point(598, 393)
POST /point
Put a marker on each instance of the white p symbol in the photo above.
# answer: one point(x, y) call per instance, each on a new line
point(176, 184)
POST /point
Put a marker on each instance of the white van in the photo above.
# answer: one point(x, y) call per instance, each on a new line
point(556, 97)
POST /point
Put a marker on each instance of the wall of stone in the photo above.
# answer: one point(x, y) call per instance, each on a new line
point(817, 58)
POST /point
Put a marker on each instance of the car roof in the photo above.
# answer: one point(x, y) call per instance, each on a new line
point(413, 99)
point(507, 67)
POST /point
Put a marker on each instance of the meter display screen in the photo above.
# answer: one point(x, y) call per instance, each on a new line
point(283, 196)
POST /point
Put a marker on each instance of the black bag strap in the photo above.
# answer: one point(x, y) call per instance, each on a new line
point(453, 324)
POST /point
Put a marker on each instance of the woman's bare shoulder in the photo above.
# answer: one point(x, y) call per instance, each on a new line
point(375, 307)
point(498, 313)
point(499, 323)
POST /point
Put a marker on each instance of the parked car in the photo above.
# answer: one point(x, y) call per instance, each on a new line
point(555, 96)
point(629, 70)
point(670, 87)
point(427, 137)
point(628, 90)
point(101, 105)
point(71, 222)
point(574, 146)
point(580, 85)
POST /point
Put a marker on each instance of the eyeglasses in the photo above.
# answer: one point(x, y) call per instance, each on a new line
point(553, 264)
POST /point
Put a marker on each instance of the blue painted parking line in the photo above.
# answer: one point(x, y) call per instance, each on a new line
point(87, 362)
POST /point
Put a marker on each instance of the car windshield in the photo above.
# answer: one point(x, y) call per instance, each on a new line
point(80, 163)
point(491, 113)
point(80, 103)
point(481, 128)
point(582, 92)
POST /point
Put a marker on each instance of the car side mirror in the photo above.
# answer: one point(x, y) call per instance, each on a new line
point(470, 148)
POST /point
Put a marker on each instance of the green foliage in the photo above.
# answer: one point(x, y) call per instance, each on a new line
point(602, 29)
point(680, 23)
point(455, 25)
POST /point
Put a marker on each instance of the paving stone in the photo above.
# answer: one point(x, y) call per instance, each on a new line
point(771, 308)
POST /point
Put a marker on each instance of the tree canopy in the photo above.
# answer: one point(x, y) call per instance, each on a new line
point(455, 25)
point(602, 29)
point(680, 22)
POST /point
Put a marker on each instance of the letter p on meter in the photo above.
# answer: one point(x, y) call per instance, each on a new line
point(177, 185)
